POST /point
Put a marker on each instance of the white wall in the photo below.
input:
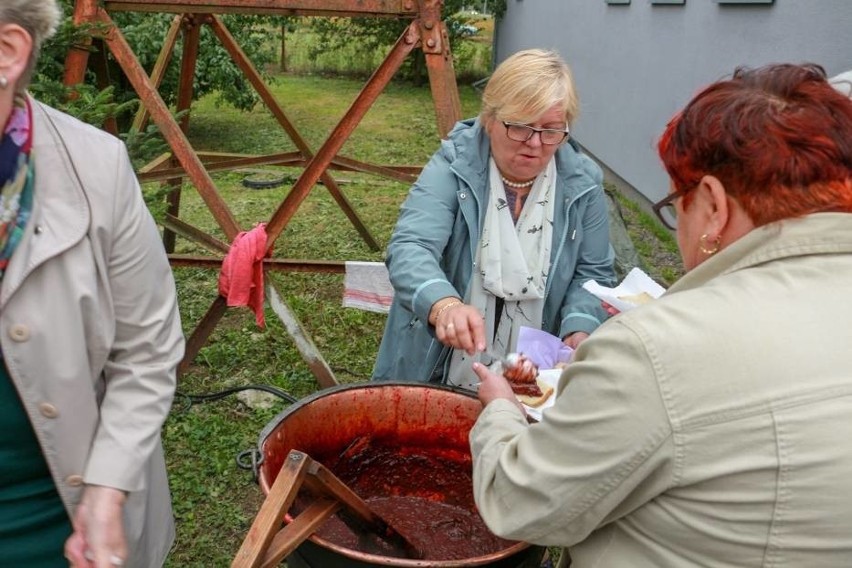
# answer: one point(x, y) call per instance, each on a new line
point(635, 65)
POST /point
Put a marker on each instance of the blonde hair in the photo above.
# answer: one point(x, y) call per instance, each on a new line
point(39, 18)
point(528, 84)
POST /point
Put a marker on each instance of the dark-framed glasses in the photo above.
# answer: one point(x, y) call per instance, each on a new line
point(523, 132)
point(666, 210)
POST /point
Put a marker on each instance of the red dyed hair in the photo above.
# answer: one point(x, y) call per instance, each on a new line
point(779, 138)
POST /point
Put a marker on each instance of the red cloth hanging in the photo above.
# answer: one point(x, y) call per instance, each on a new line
point(241, 278)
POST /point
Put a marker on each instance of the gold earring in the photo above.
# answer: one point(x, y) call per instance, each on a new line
point(710, 251)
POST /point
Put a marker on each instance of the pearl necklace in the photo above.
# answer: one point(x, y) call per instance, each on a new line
point(518, 185)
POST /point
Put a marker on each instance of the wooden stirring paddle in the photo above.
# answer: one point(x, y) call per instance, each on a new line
point(266, 543)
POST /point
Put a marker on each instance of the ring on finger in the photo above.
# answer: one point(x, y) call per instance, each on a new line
point(450, 326)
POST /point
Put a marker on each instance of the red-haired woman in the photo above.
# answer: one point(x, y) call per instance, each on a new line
point(711, 427)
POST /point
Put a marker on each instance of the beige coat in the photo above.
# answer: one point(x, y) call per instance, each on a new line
point(710, 428)
point(90, 330)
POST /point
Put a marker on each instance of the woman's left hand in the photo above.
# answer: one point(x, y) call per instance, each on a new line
point(610, 309)
point(573, 340)
point(462, 327)
point(98, 539)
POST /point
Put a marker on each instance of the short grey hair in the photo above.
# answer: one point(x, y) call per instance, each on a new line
point(39, 18)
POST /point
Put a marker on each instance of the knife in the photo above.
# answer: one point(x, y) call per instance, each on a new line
point(506, 361)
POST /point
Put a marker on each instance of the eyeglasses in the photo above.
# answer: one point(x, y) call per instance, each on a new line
point(666, 210)
point(523, 132)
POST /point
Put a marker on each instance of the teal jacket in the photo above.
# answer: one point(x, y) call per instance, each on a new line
point(432, 250)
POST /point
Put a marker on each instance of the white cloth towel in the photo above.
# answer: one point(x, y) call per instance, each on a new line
point(366, 286)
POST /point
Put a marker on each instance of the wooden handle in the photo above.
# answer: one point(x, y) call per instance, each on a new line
point(267, 543)
point(322, 479)
point(271, 514)
point(299, 530)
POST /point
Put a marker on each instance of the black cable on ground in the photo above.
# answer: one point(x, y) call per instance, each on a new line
point(248, 459)
point(199, 398)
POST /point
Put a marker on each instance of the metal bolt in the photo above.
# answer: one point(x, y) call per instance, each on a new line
point(430, 42)
point(429, 25)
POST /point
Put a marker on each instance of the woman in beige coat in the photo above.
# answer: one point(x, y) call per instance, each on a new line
point(89, 331)
point(709, 428)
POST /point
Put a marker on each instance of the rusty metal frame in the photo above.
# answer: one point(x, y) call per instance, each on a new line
point(426, 31)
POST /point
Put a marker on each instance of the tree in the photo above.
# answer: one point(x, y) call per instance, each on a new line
point(378, 33)
point(145, 32)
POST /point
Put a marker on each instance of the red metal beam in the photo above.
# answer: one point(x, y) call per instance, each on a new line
point(78, 57)
point(155, 171)
point(379, 80)
point(170, 130)
point(202, 332)
point(245, 64)
point(191, 25)
point(160, 66)
point(435, 43)
point(341, 8)
point(222, 163)
point(278, 264)
point(196, 235)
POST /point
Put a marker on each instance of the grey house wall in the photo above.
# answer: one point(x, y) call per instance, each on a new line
point(635, 65)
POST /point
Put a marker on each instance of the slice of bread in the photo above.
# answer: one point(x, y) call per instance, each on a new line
point(638, 299)
point(535, 401)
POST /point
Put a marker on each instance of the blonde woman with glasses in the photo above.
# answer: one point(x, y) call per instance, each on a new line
point(500, 231)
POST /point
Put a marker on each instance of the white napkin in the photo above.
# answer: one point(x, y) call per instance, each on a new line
point(366, 286)
point(623, 296)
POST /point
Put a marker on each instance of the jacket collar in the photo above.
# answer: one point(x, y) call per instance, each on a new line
point(818, 233)
point(60, 216)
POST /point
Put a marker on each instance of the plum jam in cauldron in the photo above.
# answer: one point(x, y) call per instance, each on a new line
point(424, 492)
point(403, 448)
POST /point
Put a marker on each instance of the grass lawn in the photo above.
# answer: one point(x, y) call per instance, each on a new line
point(214, 500)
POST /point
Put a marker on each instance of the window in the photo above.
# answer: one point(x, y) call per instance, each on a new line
point(745, 1)
point(618, 1)
point(668, 1)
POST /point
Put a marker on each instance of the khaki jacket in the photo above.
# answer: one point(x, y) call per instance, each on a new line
point(709, 428)
point(90, 330)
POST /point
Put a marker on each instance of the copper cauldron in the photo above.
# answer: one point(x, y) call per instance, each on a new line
point(327, 422)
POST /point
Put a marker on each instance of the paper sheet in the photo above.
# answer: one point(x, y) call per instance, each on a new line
point(635, 283)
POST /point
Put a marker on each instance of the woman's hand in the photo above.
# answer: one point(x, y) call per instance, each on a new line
point(98, 539)
point(610, 309)
point(573, 340)
point(493, 386)
point(459, 325)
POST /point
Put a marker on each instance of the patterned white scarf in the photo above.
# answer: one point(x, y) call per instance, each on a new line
point(512, 263)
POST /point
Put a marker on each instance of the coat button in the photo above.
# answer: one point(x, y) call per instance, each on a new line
point(48, 410)
point(463, 195)
point(19, 332)
point(74, 480)
point(37, 230)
